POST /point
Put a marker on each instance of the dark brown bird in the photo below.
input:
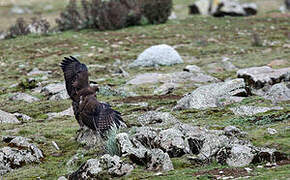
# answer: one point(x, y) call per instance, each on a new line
point(87, 109)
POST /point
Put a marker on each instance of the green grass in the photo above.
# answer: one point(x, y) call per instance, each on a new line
point(232, 38)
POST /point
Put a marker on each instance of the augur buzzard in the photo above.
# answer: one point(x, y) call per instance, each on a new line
point(87, 109)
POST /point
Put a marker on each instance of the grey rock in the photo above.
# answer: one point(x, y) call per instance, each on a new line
point(52, 89)
point(115, 166)
point(200, 7)
point(176, 77)
point(258, 77)
point(88, 137)
point(228, 8)
point(91, 169)
point(278, 93)
point(172, 141)
point(166, 88)
point(6, 117)
point(39, 26)
point(36, 71)
point(193, 68)
point(159, 161)
point(228, 66)
point(250, 9)
point(108, 91)
point(62, 178)
point(136, 154)
point(23, 152)
point(240, 156)
point(158, 55)
point(59, 96)
point(229, 100)
point(208, 95)
point(232, 130)
point(23, 97)
point(272, 131)
point(157, 119)
point(251, 110)
point(67, 112)
point(145, 136)
point(22, 116)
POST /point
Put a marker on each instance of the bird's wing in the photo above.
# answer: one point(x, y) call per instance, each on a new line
point(101, 117)
point(75, 75)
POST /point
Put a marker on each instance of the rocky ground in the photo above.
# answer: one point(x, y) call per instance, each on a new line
point(212, 103)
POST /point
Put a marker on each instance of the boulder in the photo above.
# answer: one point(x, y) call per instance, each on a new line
point(158, 55)
point(89, 170)
point(240, 156)
point(114, 166)
point(207, 96)
point(23, 97)
point(278, 93)
point(6, 117)
point(251, 110)
point(258, 77)
point(159, 161)
point(172, 141)
point(155, 118)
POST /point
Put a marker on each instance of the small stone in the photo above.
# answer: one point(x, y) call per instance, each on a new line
point(272, 131)
point(193, 68)
point(248, 170)
point(22, 116)
point(251, 110)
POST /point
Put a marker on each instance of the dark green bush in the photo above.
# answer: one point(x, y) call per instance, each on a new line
point(113, 14)
point(157, 11)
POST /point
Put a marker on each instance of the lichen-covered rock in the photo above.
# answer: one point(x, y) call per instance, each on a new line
point(208, 95)
point(172, 141)
point(159, 161)
point(193, 68)
point(251, 110)
point(258, 77)
point(23, 152)
point(115, 166)
point(157, 119)
point(137, 155)
point(89, 170)
point(240, 156)
point(6, 117)
point(146, 136)
point(23, 97)
point(278, 93)
point(158, 55)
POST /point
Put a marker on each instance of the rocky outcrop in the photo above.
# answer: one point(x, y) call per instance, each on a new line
point(210, 95)
point(158, 55)
point(258, 77)
point(107, 165)
point(18, 153)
